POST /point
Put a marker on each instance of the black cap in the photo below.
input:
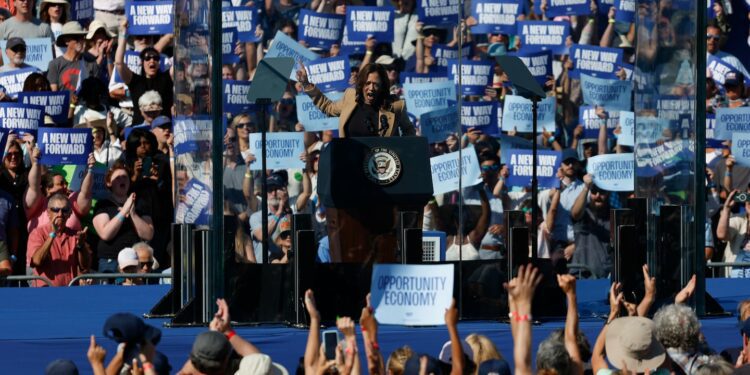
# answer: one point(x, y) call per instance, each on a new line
point(14, 42)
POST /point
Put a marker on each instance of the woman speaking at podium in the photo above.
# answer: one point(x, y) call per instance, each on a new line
point(368, 110)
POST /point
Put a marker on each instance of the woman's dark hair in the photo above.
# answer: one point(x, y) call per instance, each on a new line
point(383, 96)
point(134, 140)
point(44, 15)
point(147, 50)
point(21, 166)
point(36, 82)
point(310, 163)
point(48, 179)
point(119, 164)
point(290, 23)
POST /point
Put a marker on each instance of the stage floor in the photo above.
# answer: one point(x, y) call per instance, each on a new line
point(40, 325)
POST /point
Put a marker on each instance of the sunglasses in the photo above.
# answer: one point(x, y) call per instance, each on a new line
point(151, 57)
point(14, 154)
point(244, 125)
point(490, 168)
point(18, 49)
point(285, 235)
point(146, 264)
point(713, 36)
point(232, 139)
point(65, 210)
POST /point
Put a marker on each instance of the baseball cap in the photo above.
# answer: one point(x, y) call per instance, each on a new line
point(285, 225)
point(494, 367)
point(127, 257)
point(14, 42)
point(277, 179)
point(161, 121)
point(569, 154)
point(61, 367)
point(210, 349)
point(733, 78)
point(446, 354)
point(128, 328)
point(385, 60)
point(412, 365)
point(260, 364)
point(631, 343)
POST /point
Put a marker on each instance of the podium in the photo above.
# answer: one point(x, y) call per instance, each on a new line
point(365, 185)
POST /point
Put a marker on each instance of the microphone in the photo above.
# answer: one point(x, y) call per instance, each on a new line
point(383, 125)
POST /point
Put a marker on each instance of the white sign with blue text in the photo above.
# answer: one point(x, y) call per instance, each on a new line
point(414, 295)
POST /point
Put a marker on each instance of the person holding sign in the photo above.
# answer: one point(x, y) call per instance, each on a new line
point(55, 250)
point(15, 49)
point(121, 220)
point(367, 110)
point(590, 214)
point(733, 229)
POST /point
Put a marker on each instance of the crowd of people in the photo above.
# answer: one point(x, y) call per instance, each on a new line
point(631, 341)
point(140, 95)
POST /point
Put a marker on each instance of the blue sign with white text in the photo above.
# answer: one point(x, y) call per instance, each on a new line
point(149, 17)
point(65, 146)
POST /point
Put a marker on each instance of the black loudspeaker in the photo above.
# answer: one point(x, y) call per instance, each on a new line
point(410, 238)
point(628, 263)
point(549, 299)
point(518, 249)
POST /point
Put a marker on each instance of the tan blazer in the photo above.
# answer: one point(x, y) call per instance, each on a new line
point(396, 114)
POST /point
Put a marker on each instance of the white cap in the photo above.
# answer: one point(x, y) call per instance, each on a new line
point(126, 258)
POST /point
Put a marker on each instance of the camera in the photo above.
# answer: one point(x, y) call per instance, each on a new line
point(741, 197)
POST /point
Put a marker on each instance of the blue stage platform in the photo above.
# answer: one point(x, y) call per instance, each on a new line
point(40, 325)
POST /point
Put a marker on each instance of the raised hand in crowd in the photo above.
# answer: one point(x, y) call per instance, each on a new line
point(312, 356)
point(649, 284)
point(345, 325)
point(687, 291)
point(520, 294)
point(369, 326)
point(457, 353)
point(222, 323)
point(568, 285)
point(96, 355)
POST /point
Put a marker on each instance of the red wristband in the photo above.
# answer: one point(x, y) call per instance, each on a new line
point(148, 366)
point(230, 334)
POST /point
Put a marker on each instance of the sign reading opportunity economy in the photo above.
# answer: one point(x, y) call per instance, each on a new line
point(364, 22)
point(426, 97)
point(741, 148)
point(731, 120)
point(495, 16)
point(244, 19)
point(320, 29)
point(38, 52)
point(438, 12)
point(517, 114)
point(410, 294)
point(23, 118)
point(312, 118)
point(613, 172)
point(595, 61)
point(445, 171)
point(284, 46)
point(543, 36)
point(55, 103)
point(475, 75)
point(521, 168)
point(437, 125)
point(13, 80)
point(626, 137)
point(612, 94)
point(64, 145)
point(283, 150)
point(331, 74)
point(150, 17)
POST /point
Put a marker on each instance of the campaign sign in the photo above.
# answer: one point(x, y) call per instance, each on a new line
point(229, 40)
point(719, 69)
point(284, 46)
point(38, 52)
point(55, 103)
point(244, 19)
point(567, 8)
point(627, 129)
point(604, 5)
point(438, 12)
point(543, 36)
point(312, 118)
point(410, 294)
point(480, 116)
point(75, 174)
point(194, 209)
point(65, 146)
point(149, 17)
point(520, 166)
point(235, 96)
point(282, 150)
point(741, 148)
point(133, 61)
point(517, 114)
point(475, 75)
point(612, 172)
point(711, 141)
point(612, 94)
point(437, 125)
point(23, 118)
point(445, 171)
point(443, 53)
point(421, 78)
point(591, 122)
point(538, 63)
point(369, 21)
point(351, 47)
point(189, 133)
point(320, 29)
point(495, 16)
point(625, 10)
point(731, 120)
point(671, 107)
point(595, 61)
point(426, 97)
point(331, 74)
point(13, 80)
point(81, 11)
